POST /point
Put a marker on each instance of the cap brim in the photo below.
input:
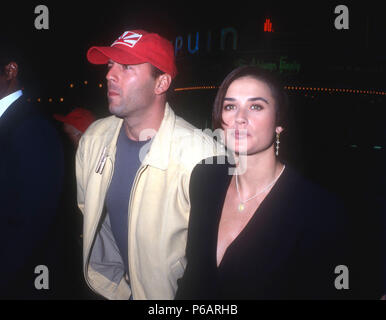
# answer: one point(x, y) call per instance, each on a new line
point(101, 55)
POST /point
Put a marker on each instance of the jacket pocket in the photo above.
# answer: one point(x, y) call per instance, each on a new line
point(178, 269)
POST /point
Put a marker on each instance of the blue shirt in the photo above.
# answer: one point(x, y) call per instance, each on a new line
point(126, 165)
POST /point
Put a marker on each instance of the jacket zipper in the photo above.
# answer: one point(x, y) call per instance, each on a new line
point(95, 227)
point(139, 173)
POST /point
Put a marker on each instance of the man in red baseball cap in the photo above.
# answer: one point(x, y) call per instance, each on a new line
point(133, 170)
point(141, 66)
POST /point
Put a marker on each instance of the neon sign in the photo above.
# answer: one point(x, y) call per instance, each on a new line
point(283, 65)
point(268, 26)
point(195, 42)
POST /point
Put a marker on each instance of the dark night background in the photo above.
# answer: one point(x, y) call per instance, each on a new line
point(335, 138)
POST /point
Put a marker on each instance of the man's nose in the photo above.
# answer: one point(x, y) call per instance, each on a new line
point(111, 74)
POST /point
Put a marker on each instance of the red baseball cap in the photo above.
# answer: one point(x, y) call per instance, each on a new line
point(135, 47)
point(79, 118)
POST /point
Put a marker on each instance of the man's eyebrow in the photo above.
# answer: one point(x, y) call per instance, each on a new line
point(250, 99)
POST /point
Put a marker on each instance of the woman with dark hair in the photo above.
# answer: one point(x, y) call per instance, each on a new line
point(264, 232)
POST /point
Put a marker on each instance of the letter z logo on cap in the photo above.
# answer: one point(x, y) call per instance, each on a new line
point(128, 38)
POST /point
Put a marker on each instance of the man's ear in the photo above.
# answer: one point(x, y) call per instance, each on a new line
point(162, 83)
point(11, 70)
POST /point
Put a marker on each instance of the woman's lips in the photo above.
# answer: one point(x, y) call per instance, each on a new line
point(240, 134)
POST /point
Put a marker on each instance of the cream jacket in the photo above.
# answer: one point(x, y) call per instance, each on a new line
point(158, 209)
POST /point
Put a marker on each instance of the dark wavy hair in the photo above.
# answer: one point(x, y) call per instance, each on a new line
point(269, 78)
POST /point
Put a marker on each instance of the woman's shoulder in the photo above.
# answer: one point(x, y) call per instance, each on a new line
point(212, 166)
point(305, 186)
point(211, 174)
point(312, 199)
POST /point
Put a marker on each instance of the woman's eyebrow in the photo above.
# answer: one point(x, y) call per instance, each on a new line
point(258, 98)
point(250, 99)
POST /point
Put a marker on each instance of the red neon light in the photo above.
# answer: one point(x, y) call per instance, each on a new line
point(268, 25)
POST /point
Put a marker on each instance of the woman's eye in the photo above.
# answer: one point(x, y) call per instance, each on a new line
point(256, 107)
point(126, 66)
point(229, 107)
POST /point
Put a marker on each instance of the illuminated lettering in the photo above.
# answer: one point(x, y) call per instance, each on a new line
point(224, 32)
point(208, 42)
point(282, 66)
point(268, 26)
point(178, 44)
point(285, 66)
point(192, 51)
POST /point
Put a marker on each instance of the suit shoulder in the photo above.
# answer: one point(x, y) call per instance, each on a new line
point(34, 122)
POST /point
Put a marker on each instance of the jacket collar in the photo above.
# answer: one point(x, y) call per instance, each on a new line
point(158, 155)
point(160, 145)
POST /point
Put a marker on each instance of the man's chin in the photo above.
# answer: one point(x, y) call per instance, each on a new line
point(116, 110)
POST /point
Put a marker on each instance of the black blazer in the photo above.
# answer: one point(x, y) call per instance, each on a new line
point(288, 250)
point(31, 174)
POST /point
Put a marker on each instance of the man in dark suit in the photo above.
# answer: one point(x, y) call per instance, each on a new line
point(31, 174)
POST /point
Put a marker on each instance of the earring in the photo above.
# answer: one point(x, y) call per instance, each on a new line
point(277, 143)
